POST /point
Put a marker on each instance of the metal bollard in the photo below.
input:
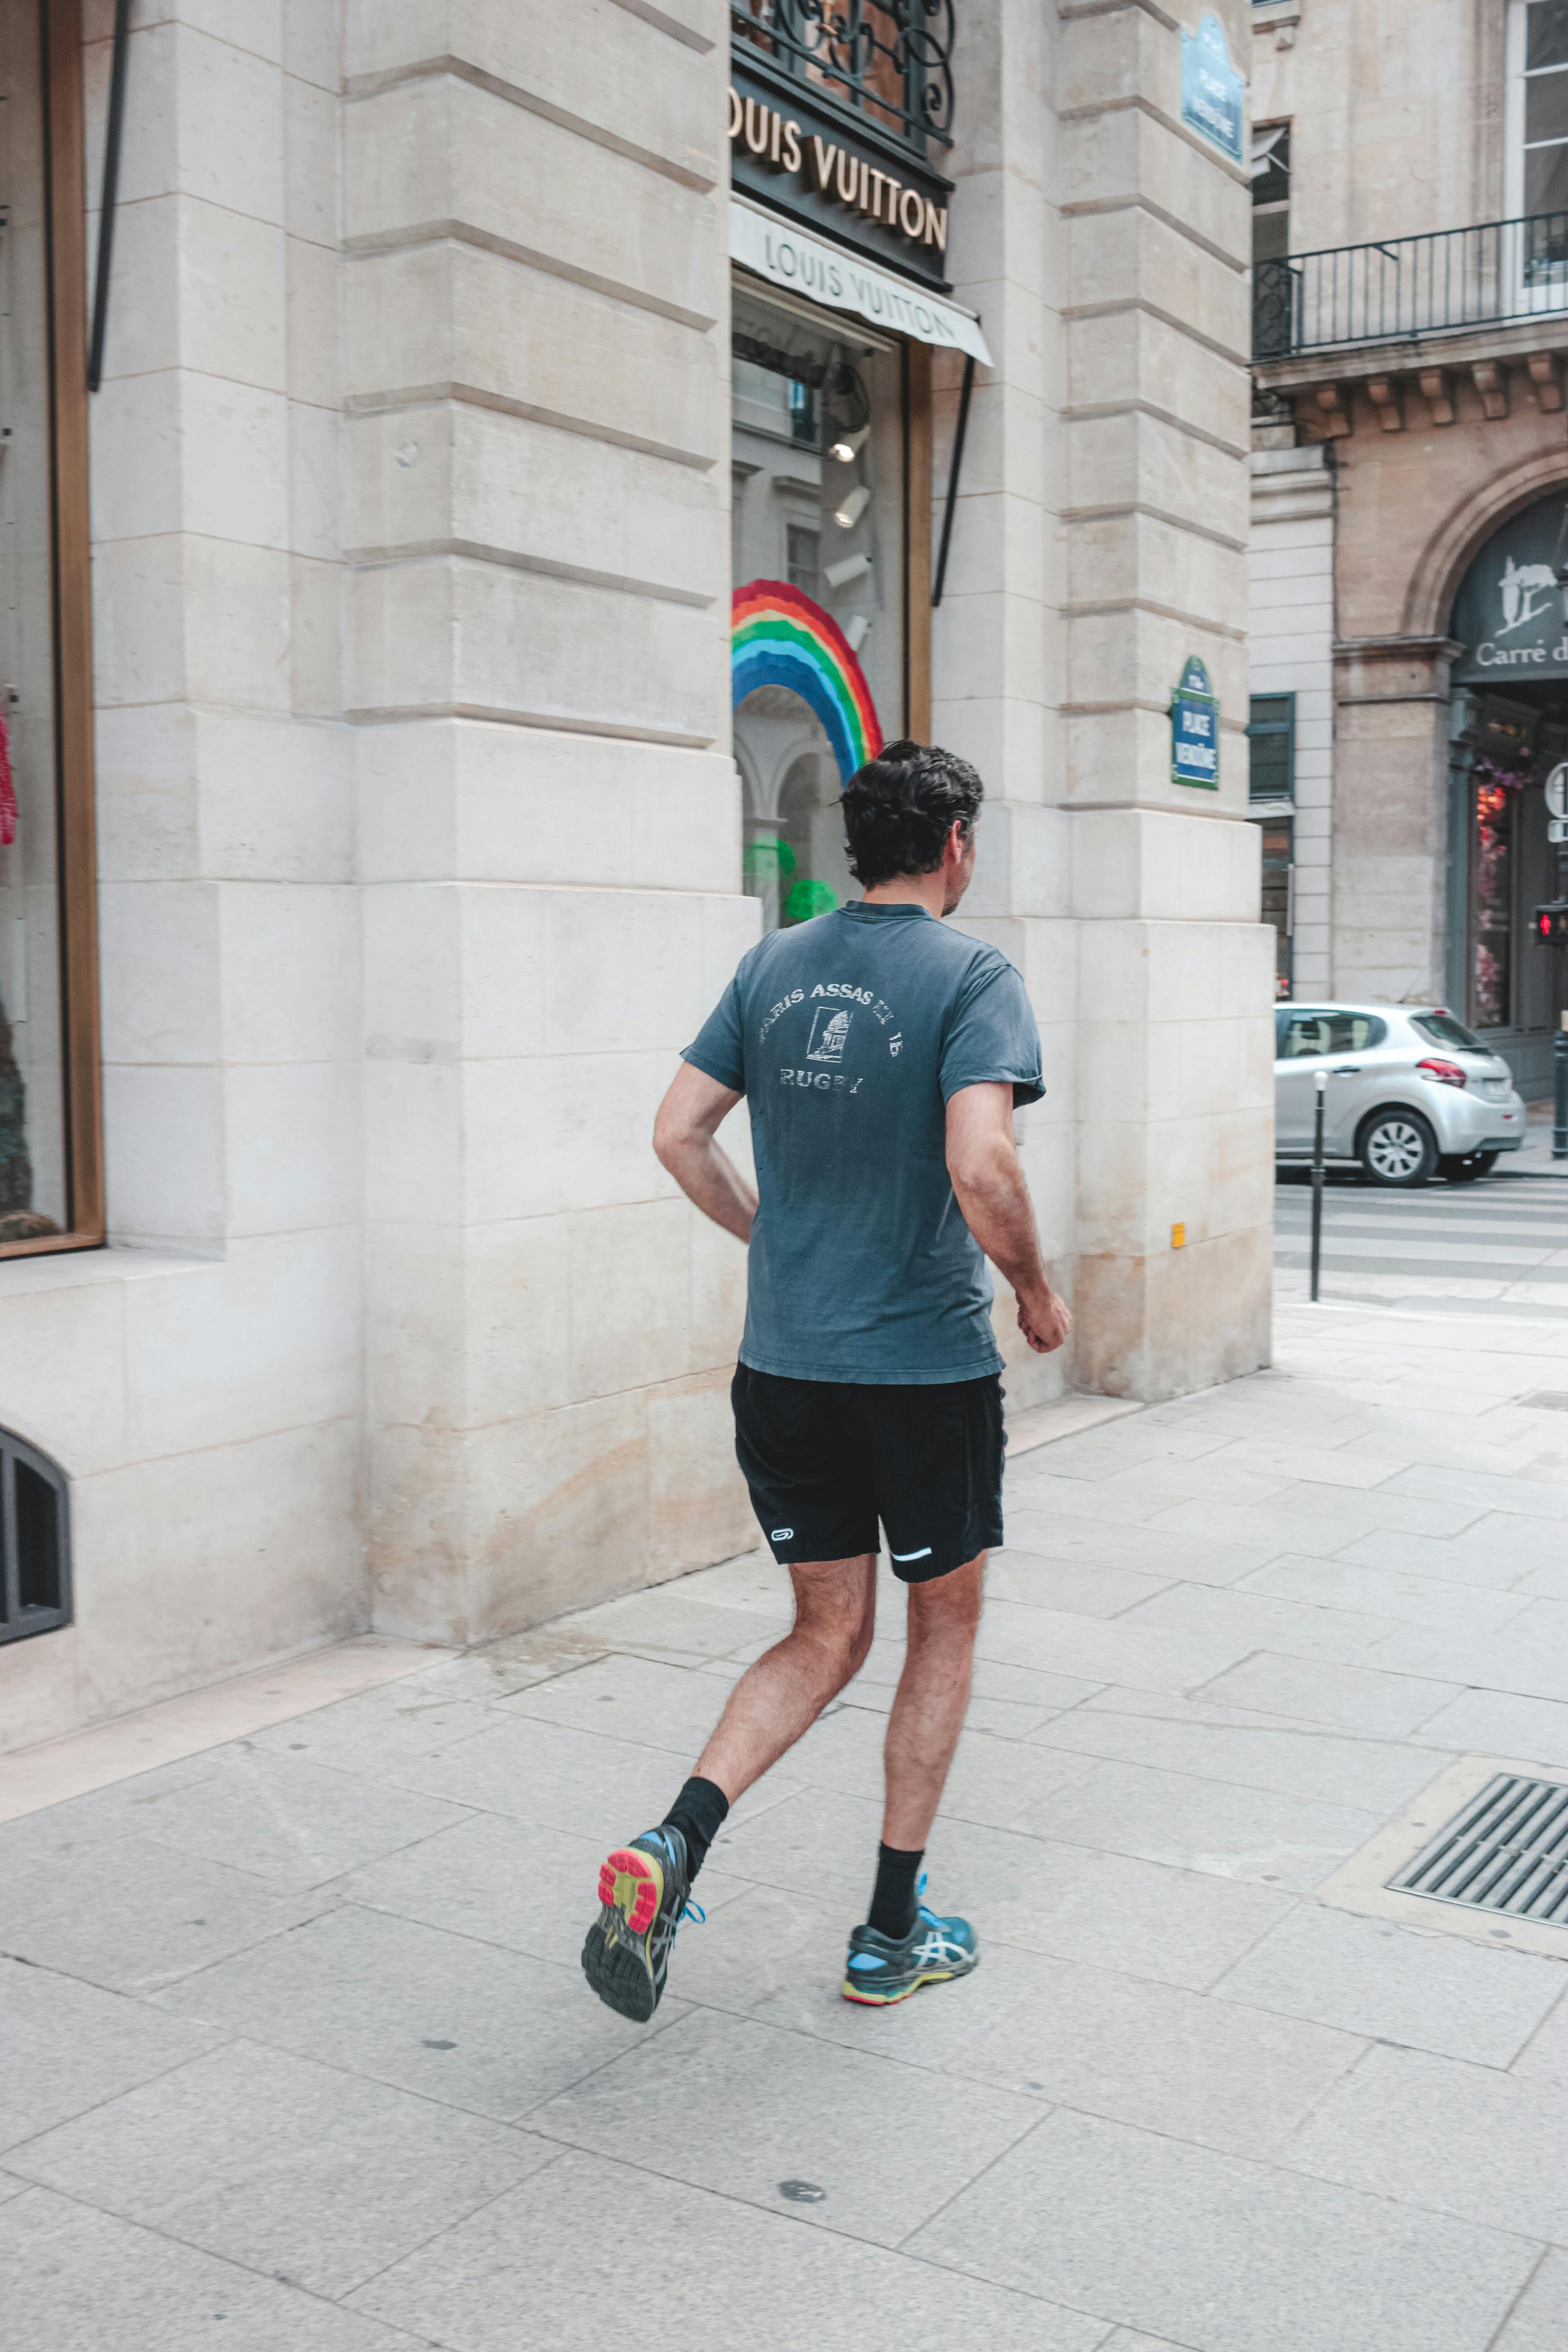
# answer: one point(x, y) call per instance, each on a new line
point(1560, 1083)
point(1322, 1078)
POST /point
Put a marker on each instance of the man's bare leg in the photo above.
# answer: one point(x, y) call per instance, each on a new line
point(643, 1886)
point(780, 1697)
point(902, 1946)
point(931, 1701)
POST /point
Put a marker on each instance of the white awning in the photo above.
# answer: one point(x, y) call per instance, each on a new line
point(1264, 143)
point(786, 256)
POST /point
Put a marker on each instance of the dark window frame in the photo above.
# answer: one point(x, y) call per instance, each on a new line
point(1258, 729)
point(21, 1619)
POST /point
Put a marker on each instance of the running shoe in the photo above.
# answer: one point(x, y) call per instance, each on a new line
point(643, 1890)
point(881, 1969)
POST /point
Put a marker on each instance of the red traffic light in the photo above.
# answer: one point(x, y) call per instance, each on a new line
point(1552, 924)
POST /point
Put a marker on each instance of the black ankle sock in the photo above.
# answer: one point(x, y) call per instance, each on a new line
point(893, 1903)
point(699, 1814)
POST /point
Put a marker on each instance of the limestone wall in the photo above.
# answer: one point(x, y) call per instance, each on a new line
point(201, 1379)
point(1397, 114)
point(421, 835)
point(1291, 567)
point(536, 301)
point(1173, 1041)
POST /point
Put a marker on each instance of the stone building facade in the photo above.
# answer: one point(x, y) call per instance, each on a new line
point(1410, 467)
point(421, 844)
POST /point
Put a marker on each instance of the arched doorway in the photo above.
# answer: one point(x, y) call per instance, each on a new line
point(1509, 729)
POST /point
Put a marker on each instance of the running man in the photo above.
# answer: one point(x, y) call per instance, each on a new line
point(882, 1056)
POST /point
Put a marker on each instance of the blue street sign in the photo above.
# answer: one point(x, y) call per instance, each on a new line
point(1212, 89)
point(1195, 729)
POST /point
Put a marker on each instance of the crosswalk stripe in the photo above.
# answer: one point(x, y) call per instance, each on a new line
point(1492, 1249)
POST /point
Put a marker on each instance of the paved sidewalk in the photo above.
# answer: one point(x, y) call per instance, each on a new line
point(295, 2056)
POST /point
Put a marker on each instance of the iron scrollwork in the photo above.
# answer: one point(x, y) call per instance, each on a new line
point(889, 60)
point(1275, 305)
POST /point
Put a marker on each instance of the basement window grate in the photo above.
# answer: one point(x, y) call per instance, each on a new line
point(35, 1542)
point(1506, 1851)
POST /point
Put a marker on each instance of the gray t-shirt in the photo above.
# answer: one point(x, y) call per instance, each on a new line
point(847, 1035)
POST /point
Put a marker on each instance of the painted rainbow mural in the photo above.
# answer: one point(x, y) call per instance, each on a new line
point(782, 638)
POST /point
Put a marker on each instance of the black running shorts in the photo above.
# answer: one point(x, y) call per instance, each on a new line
point(826, 1459)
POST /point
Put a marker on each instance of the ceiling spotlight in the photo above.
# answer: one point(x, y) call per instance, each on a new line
point(849, 445)
point(848, 514)
point(856, 629)
point(853, 567)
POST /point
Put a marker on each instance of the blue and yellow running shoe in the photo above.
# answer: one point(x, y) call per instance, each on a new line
point(643, 1890)
point(882, 1969)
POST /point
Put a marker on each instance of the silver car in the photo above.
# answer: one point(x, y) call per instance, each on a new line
point(1410, 1092)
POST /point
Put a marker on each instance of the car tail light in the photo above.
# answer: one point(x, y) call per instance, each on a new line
point(1447, 1073)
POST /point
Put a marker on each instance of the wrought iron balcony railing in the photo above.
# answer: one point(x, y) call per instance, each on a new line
point(1491, 276)
point(887, 62)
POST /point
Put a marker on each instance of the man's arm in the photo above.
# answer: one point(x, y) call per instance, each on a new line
point(688, 1119)
point(983, 1161)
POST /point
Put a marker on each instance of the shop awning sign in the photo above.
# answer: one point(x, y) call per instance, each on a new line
point(785, 255)
point(1510, 614)
point(1195, 729)
point(1212, 90)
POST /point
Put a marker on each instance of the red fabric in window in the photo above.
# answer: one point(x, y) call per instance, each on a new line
point(7, 790)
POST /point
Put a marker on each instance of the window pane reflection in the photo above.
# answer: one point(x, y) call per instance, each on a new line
point(1491, 905)
point(817, 507)
point(32, 1091)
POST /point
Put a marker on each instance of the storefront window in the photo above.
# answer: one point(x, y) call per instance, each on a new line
point(1278, 895)
point(818, 556)
point(1491, 896)
point(47, 1108)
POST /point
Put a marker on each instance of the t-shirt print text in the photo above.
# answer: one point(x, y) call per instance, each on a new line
point(825, 1082)
point(832, 1011)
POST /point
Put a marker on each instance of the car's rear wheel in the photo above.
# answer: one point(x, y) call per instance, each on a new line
point(1457, 1171)
point(1397, 1148)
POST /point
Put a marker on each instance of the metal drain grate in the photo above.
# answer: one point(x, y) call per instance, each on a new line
point(1506, 1850)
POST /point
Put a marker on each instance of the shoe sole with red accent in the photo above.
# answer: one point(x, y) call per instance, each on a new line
point(616, 1959)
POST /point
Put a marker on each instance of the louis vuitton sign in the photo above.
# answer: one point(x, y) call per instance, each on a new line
point(835, 172)
point(801, 158)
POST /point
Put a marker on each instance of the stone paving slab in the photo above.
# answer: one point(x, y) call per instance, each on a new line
point(533, 2271)
point(1376, 1776)
point(1342, 1584)
point(292, 2170)
point(1501, 1723)
point(442, 2015)
point(1223, 2254)
point(1450, 2137)
point(69, 2046)
point(1369, 1976)
point(76, 2280)
point(777, 2105)
point(132, 1915)
point(1263, 1620)
point(1342, 1698)
point(1539, 2318)
point(502, 1881)
point(1213, 1826)
point(1207, 2071)
point(309, 1995)
point(295, 1824)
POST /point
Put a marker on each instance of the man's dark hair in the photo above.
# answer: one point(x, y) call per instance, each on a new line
point(900, 808)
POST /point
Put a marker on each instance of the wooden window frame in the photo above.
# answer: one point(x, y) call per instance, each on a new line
point(65, 197)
